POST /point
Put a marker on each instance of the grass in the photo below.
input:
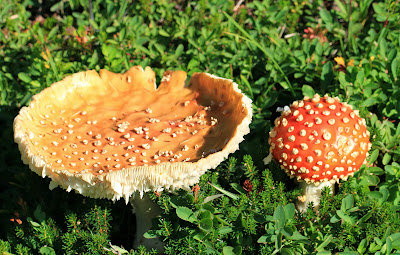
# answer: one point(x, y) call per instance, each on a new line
point(278, 52)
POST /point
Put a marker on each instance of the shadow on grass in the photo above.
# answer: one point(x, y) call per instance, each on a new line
point(22, 191)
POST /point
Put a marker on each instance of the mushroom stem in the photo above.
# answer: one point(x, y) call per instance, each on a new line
point(312, 193)
point(145, 210)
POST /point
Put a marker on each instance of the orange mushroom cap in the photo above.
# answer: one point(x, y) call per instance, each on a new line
point(111, 135)
point(319, 140)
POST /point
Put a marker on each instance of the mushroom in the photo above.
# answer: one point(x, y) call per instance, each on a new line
point(118, 136)
point(319, 141)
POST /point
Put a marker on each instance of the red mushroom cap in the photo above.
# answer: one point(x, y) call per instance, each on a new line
point(319, 140)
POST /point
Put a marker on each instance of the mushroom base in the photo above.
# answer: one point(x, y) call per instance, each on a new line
point(145, 210)
point(312, 193)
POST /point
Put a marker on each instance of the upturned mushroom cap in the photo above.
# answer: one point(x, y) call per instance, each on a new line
point(319, 140)
point(109, 135)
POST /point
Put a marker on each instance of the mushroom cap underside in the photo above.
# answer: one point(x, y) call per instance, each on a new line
point(320, 139)
point(109, 135)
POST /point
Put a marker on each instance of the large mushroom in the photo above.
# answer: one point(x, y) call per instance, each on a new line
point(118, 136)
point(319, 141)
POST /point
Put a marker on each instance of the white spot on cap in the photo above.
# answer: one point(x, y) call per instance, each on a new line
point(327, 136)
point(97, 143)
point(330, 100)
point(300, 118)
point(284, 122)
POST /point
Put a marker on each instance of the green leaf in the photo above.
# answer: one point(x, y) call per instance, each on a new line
point(35, 224)
point(111, 30)
point(372, 180)
point(192, 64)
point(375, 194)
point(369, 102)
point(263, 239)
point(342, 9)
point(40, 35)
point(375, 170)
point(247, 84)
point(179, 50)
point(319, 49)
point(119, 250)
point(308, 91)
point(25, 99)
point(385, 194)
point(290, 210)
point(186, 214)
point(206, 224)
point(45, 250)
point(279, 217)
point(347, 202)
point(365, 217)
point(24, 77)
point(238, 188)
point(327, 240)
point(386, 158)
point(335, 218)
point(150, 235)
point(229, 194)
point(389, 246)
point(326, 75)
point(345, 217)
point(52, 33)
point(204, 214)
point(224, 230)
point(228, 250)
point(298, 236)
point(211, 198)
point(39, 214)
point(374, 155)
point(395, 67)
point(162, 32)
point(362, 247)
point(325, 16)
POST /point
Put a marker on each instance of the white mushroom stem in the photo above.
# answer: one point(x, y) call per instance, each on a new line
point(312, 193)
point(145, 210)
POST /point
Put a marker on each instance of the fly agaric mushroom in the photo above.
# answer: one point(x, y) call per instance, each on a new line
point(116, 135)
point(319, 141)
